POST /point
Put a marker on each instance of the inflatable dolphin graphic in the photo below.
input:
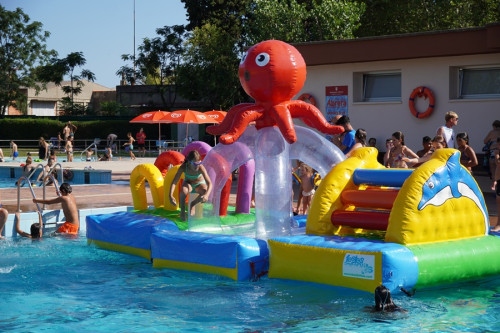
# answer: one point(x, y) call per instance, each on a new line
point(452, 180)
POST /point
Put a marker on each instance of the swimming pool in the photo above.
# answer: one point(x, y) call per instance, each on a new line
point(60, 284)
point(9, 175)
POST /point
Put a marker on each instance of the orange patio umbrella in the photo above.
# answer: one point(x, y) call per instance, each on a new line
point(187, 117)
point(217, 115)
point(151, 117)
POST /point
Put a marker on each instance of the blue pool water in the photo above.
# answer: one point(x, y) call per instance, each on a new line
point(61, 284)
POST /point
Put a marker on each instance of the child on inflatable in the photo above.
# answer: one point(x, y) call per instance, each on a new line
point(196, 179)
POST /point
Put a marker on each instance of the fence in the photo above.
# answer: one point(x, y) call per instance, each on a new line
point(79, 145)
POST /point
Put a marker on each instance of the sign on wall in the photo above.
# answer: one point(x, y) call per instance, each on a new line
point(335, 103)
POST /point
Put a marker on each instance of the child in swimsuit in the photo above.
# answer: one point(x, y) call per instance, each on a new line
point(394, 157)
point(129, 146)
point(306, 186)
point(195, 180)
point(468, 156)
point(68, 205)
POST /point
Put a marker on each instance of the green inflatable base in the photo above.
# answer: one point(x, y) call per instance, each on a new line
point(230, 222)
point(448, 262)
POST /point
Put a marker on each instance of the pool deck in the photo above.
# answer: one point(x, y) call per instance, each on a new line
point(114, 195)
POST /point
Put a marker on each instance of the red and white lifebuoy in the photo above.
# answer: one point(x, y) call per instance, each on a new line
point(421, 92)
point(308, 98)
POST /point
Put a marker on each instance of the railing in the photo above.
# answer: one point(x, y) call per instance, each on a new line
point(94, 144)
point(80, 145)
point(19, 193)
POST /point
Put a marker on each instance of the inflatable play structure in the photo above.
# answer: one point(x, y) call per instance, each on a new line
point(367, 225)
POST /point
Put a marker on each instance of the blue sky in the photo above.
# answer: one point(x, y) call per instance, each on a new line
point(102, 29)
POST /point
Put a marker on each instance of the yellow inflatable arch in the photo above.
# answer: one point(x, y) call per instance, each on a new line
point(138, 178)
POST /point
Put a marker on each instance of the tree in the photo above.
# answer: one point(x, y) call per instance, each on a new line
point(157, 61)
point(209, 71)
point(22, 49)
point(58, 69)
point(295, 21)
point(385, 17)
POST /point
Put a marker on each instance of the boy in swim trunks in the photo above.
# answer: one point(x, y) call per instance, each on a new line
point(68, 205)
point(196, 179)
point(13, 150)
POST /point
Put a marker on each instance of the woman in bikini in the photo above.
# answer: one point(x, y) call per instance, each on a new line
point(195, 180)
point(394, 157)
point(468, 156)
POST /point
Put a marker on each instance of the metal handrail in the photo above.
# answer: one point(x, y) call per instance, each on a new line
point(85, 150)
point(34, 170)
point(19, 194)
point(49, 175)
point(56, 184)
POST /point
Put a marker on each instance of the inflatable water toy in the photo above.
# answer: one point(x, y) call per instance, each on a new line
point(367, 226)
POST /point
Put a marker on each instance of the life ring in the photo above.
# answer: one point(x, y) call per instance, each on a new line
point(308, 98)
point(426, 93)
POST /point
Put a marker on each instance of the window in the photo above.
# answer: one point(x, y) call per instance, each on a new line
point(476, 83)
point(381, 87)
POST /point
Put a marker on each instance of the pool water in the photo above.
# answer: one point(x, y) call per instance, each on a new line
point(62, 284)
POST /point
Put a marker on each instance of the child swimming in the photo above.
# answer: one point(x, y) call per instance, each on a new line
point(383, 300)
point(195, 180)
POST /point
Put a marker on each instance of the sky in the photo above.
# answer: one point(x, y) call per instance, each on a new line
point(102, 29)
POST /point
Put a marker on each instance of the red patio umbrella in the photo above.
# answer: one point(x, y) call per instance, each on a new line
point(187, 117)
point(151, 117)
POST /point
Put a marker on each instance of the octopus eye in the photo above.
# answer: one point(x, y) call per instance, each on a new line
point(262, 59)
point(243, 58)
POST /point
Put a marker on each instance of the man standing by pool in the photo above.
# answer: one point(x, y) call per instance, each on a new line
point(68, 205)
point(141, 142)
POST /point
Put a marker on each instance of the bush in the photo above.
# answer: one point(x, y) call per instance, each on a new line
point(15, 128)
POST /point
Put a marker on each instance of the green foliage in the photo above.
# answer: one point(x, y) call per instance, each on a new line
point(157, 61)
point(14, 128)
point(55, 72)
point(295, 21)
point(229, 15)
point(210, 69)
point(22, 48)
point(385, 17)
point(113, 108)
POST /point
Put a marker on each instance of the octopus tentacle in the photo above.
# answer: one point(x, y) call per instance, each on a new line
point(283, 119)
point(226, 123)
point(313, 117)
point(241, 120)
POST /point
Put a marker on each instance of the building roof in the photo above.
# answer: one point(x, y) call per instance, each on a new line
point(55, 93)
point(405, 46)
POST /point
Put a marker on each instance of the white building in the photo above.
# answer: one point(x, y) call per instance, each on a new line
point(45, 103)
point(461, 67)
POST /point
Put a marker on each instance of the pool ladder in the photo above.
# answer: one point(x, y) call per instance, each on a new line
point(93, 144)
point(26, 179)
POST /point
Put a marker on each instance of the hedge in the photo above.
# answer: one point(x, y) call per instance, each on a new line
point(34, 128)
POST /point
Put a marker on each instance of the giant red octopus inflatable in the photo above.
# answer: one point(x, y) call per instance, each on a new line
point(272, 72)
